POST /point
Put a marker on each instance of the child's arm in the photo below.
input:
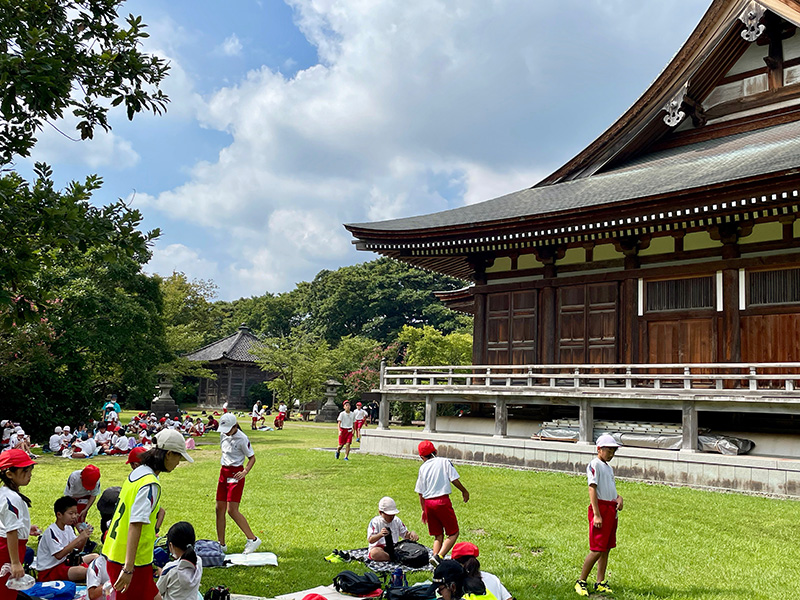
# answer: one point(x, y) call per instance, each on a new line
point(598, 518)
point(460, 486)
point(78, 542)
point(126, 574)
point(619, 502)
point(422, 505)
point(17, 570)
point(374, 538)
point(248, 467)
point(411, 535)
point(160, 518)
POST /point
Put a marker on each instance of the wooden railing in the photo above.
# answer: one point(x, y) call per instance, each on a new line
point(720, 378)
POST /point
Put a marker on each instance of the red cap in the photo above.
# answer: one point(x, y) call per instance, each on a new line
point(134, 458)
point(90, 475)
point(426, 448)
point(359, 404)
point(143, 426)
point(162, 420)
point(464, 549)
point(314, 597)
point(15, 458)
point(176, 419)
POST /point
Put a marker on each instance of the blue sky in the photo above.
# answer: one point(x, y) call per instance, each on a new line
point(289, 119)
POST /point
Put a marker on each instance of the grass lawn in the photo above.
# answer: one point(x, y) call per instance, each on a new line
point(531, 527)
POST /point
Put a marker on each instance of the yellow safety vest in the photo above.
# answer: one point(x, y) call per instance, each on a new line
point(487, 596)
point(117, 539)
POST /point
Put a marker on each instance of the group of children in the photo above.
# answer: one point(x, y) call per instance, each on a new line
point(350, 425)
point(259, 415)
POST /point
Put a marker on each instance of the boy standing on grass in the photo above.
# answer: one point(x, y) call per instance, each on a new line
point(346, 420)
point(434, 486)
point(235, 449)
point(604, 505)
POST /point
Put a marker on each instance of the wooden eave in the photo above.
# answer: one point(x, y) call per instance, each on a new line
point(709, 52)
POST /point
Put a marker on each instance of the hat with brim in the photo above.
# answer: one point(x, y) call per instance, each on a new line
point(607, 441)
point(462, 549)
point(134, 457)
point(447, 572)
point(172, 441)
point(15, 458)
point(90, 475)
point(227, 422)
point(388, 505)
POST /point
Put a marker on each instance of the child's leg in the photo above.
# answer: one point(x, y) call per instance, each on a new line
point(449, 542)
point(347, 450)
point(77, 574)
point(591, 559)
point(602, 563)
point(240, 520)
point(222, 508)
point(437, 543)
point(379, 554)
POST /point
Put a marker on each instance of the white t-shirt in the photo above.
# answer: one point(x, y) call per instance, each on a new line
point(235, 449)
point(102, 437)
point(346, 420)
point(146, 497)
point(75, 488)
point(53, 540)
point(120, 442)
point(255, 414)
point(55, 442)
point(601, 474)
point(493, 585)
point(96, 574)
point(112, 416)
point(434, 478)
point(200, 428)
point(66, 438)
point(14, 515)
point(180, 580)
point(15, 440)
point(396, 527)
point(88, 447)
point(282, 408)
point(360, 414)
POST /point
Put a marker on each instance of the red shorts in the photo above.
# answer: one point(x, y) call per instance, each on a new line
point(602, 539)
point(115, 451)
point(230, 491)
point(281, 416)
point(440, 516)
point(58, 573)
point(360, 423)
point(82, 504)
point(345, 436)
point(141, 587)
point(6, 593)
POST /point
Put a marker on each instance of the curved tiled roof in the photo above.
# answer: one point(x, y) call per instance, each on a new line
point(235, 347)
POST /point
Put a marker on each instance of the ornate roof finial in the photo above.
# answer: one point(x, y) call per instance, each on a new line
point(750, 16)
point(673, 107)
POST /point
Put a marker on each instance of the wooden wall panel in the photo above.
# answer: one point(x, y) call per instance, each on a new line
point(771, 338)
point(681, 341)
point(511, 328)
point(588, 323)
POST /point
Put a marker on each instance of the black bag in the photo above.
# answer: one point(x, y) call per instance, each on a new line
point(417, 592)
point(354, 584)
point(219, 592)
point(411, 554)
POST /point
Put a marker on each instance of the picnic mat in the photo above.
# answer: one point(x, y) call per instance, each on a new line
point(328, 591)
point(362, 555)
point(254, 559)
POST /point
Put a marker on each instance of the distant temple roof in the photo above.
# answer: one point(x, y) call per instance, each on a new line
point(235, 347)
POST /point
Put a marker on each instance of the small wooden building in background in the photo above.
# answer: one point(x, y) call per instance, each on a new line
point(236, 369)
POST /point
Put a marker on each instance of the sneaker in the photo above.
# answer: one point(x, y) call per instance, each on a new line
point(337, 454)
point(602, 587)
point(435, 560)
point(581, 588)
point(251, 546)
point(334, 558)
point(224, 548)
point(346, 458)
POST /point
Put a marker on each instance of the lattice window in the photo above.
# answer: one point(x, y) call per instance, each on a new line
point(680, 294)
point(774, 287)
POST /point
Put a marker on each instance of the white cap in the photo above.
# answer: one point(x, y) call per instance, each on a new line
point(607, 441)
point(66, 428)
point(58, 429)
point(18, 429)
point(388, 506)
point(226, 422)
point(169, 439)
point(166, 414)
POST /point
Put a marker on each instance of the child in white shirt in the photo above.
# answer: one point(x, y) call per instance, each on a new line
point(180, 579)
point(58, 541)
point(385, 523)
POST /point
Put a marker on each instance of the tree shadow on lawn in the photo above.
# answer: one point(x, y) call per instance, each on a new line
point(677, 591)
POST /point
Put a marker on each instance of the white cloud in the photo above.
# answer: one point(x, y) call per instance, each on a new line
point(231, 46)
point(177, 257)
point(105, 149)
point(415, 107)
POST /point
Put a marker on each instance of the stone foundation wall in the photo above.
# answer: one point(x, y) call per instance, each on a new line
point(749, 474)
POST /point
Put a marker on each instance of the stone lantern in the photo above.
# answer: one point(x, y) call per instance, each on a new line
point(329, 412)
point(164, 403)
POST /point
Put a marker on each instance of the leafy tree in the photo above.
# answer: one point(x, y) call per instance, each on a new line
point(428, 346)
point(272, 315)
point(71, 55)
point(302, 362)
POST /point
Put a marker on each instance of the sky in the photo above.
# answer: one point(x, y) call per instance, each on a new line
point(288, 119)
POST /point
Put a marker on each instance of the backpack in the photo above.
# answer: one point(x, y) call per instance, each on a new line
point(219, 592)
point(417, 592)
point(411, 554)
point(211, 553)
point(353, 584)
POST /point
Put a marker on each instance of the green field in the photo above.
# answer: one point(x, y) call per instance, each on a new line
point(531, 527)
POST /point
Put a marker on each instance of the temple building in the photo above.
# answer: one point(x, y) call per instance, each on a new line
point(235, 367)
point(650, 284)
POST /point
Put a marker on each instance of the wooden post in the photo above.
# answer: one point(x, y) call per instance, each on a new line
point(430, 415)
point(586, 423)
point(689, 431)
point(549, 343)
point(730, 332)
point(500, 418)
point(230, 384)
point(383, 413)
point(479, 331)
point(628, 351)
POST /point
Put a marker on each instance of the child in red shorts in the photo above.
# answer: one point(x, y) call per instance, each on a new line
point(604, 505)
point(235, 449)
point(434, 486)
point(59, 540)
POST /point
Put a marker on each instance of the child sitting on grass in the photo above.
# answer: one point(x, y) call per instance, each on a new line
point(381, 526)
point(180, 579)
point(58, 541)
point(96, 578)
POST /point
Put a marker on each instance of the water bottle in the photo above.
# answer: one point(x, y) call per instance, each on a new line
point(398, 578)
